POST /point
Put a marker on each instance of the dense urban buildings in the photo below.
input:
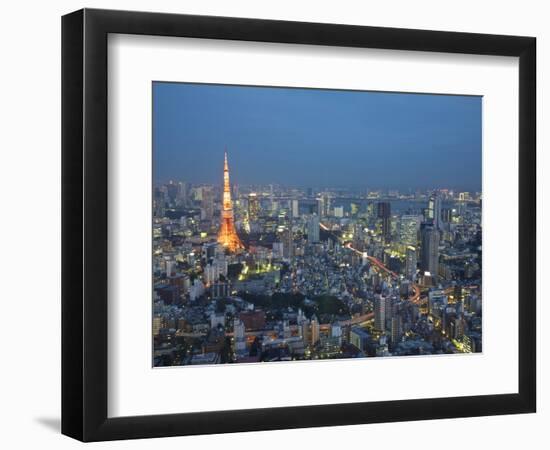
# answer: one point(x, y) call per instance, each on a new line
point(278, 273)
point(314, 224)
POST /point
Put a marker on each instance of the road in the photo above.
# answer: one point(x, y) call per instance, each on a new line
point(415, 298)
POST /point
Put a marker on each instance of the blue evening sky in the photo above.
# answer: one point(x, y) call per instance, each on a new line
point(316, 138)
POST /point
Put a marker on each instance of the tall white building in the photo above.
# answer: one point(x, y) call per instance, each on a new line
point(313, 229)
point(379, 312)
point(295, 209)
point(410, 263)
point(434, 209)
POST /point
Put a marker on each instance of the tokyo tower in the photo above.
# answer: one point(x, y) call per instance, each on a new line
point(228, 236)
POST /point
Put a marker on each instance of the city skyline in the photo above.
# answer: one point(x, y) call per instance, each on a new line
point(291, 136)
point(248, 268)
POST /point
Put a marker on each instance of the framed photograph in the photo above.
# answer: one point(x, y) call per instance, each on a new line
point(273, 224)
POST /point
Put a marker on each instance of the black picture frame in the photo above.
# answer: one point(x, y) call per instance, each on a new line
point(84, 224)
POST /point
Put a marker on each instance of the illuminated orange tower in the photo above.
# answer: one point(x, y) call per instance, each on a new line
point(228, 236)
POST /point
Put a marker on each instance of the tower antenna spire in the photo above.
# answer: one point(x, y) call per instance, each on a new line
point(227, 235)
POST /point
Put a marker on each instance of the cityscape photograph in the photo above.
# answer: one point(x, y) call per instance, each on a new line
point(294, 224)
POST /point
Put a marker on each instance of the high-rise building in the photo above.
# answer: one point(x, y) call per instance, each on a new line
point(408, 229)
point(272, 198)
point(253, 206)
point(295, 209)
point(315, 331)
point(434, 210)
point(359, 338)
point(227, 235)
point(339, 211)
point(304, 330)
point(410, 262)
point(323, 204)
point(370, 211)
point(430, 250)
point(211, 274)
point(388, 308)
point(313, 229)
point(379, 312)
point(207, 203)
point(172, 191)
point(396, 330)
point(327, 204)
point(288, 243)
point(220, 289)
point(320, 207)
point(447, 215)
point(384, 213)
point(159, 201)
point(181, 195)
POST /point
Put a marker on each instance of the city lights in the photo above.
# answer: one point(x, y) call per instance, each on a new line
point(296, 254)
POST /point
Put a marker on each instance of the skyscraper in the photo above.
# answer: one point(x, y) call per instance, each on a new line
point(384, 213)
point(430, 250)
point(253, 206)
point(410, 263)
point(288, 243)
point(207, 203)
point(379, 312)
point(295, 211)
point(395, 329)
point(323, 204)
point(447, 215)
point(408, 230)
point(434, 210)
point(313, 229)
point(181, 196)
point(320, 206)
point(315, 336)
point(228, 235)
point(272, 198)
